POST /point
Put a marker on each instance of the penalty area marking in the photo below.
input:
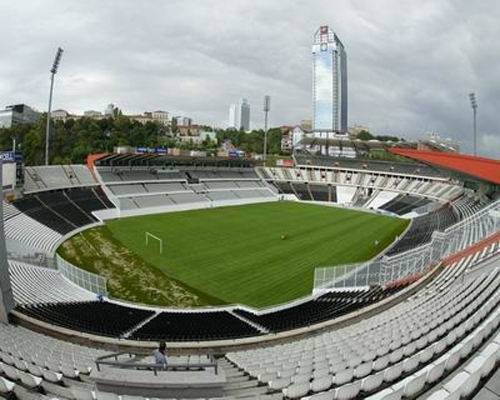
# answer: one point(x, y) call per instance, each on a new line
point(150, 235)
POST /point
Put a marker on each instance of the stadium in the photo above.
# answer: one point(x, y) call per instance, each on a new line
point(332, 278)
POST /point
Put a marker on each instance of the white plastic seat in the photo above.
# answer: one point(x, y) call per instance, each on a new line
point(11, 372)
point(392, 373)
point(35, 370)
point(363, 369)
point(69, 371)
point(452, 360)
point(296, 390)
point(372, 382)
point(411, 363)
point(457, 385)
point(425, 355)
point(436, 371)
point(302, 378)
point(30, 380)
point(347, 392)
point(380, 363)
point(321, 384)
point(343, 376)
point(280, 383)
point(51, 376)
point(6, 386)
point(414, 385)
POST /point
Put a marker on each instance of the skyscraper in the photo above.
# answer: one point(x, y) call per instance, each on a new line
point(239, 115)
point(329, 82)
point(244, 111)
point(233, 120)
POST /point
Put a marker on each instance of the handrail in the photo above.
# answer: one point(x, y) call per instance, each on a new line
point(101, 361)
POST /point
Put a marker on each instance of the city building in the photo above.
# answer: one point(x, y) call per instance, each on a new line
point(233, 117)
point(292, 138)
point(244, 115)
point(160, 116)
point(197, 136)
point(61, 115)
point(110, 110)
point(239, 115)
point(18, 114)
point(185, 121)
point(329, 82)
point(93, 114)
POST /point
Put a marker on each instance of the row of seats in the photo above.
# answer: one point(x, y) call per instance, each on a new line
point(190, 197)
point(64, 210)
point(109, 174)
point(372, 165)
point(46, 295)
point(398, 351)
point(44, 352)
point(31, 235)
point(325, 307)
point(39, 178)
point(178, 326)
point(33, 285)
point(412, 185)
point(403, 204)
point(422, 227)
point(307, 192)
point(95, 317)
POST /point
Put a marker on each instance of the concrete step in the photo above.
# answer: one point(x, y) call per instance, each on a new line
point(241, 385)
point(239, 378)
point(254, 391)
point(233, 372)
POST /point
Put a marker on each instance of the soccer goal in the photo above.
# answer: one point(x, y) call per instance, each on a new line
point(150, 236)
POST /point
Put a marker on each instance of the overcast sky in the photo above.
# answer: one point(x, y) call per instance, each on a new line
point(411, 64)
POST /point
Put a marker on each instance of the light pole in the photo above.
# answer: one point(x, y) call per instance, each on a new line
point(53, 72)
point(267, 108)
point(473, 103)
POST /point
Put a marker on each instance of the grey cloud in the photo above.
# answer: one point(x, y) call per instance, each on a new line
point(411, 64)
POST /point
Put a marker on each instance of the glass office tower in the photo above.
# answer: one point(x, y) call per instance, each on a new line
point(329, 82)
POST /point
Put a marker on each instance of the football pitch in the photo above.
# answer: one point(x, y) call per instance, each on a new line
point(258, 254)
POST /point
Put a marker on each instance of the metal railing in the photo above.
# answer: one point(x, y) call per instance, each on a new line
point(112, 360)
point(456, 238)
point(87, 280)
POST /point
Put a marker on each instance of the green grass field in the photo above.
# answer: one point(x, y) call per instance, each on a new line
point(259, 254)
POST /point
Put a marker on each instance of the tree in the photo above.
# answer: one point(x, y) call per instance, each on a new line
point(365, 135)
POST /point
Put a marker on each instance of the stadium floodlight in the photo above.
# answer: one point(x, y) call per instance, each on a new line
point(53, 72)
point(473, 103)
point(267, 108)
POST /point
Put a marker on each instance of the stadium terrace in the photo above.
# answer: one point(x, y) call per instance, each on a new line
point(329, 279)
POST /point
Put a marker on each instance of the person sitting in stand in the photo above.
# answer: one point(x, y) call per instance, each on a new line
point(160, 354)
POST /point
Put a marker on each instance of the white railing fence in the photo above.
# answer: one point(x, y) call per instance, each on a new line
point(87, 280)
point(457, 237)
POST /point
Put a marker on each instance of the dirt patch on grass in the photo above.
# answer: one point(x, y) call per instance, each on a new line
point(129, 277)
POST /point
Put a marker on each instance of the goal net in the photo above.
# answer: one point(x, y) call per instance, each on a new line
point(155, 239)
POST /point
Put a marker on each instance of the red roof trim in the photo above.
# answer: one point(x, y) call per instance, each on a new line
point(480, 167)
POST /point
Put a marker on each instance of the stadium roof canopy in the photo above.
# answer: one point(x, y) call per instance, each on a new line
point(478, 167)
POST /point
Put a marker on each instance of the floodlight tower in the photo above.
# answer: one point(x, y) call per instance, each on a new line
point(473, 103)
point(53, 72)
point(267, 108)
